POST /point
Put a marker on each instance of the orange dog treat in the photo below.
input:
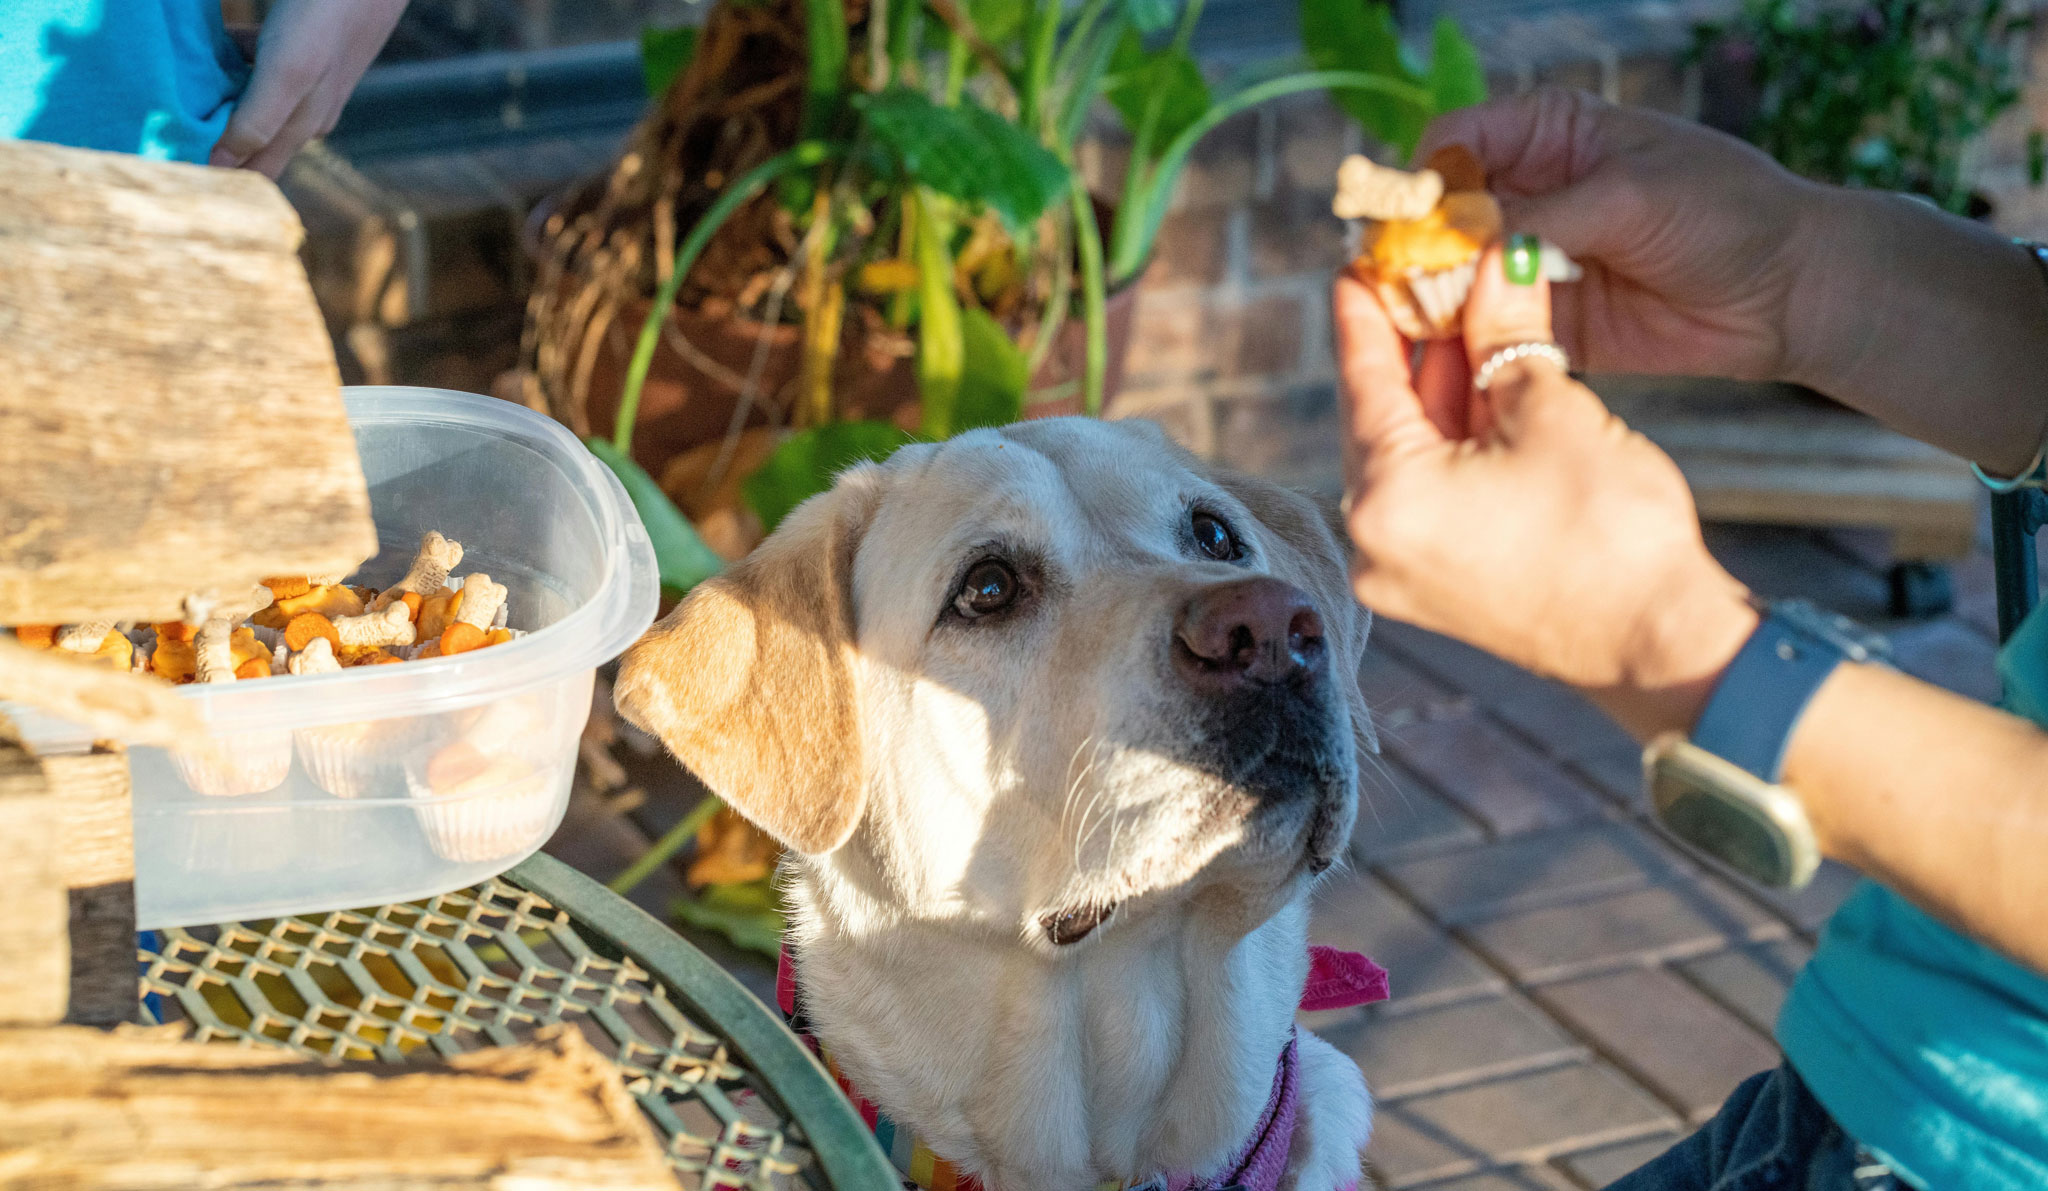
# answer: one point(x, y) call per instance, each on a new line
point(284, 587)
point(461, 637)
point(37, 636)
point(305, 627)
point(1427, 231)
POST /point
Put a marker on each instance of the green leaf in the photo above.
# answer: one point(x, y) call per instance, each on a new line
point(1456, 79)
point(663, 55)
point(940, 350)
point(966, 152)
point(993, 374)
point(1362, 35)
point(996, 20)
point(807, 462)
point(750, 915)
point(680, 555)
point(1168, 77)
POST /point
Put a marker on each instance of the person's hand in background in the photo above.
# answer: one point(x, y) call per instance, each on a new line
point(1553, 536)
point(309, 56)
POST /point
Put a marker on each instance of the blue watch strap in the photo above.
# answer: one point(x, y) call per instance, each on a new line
point(1749, 718)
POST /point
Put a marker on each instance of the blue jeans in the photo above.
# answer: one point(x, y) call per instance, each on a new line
point(1770, 1135)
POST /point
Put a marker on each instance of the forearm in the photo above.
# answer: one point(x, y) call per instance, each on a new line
point(1941, 798)
point(1932, 324)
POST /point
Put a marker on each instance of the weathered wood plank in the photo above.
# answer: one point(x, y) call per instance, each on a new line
point(97, 855)
point(170, 421)
point(138, 1111)
point(132, 707)
point(35, 954)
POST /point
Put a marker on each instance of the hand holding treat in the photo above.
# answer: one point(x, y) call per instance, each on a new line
point(1424, 233)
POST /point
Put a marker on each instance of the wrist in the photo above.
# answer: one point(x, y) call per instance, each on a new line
point(1841, 241)
point(1678, 653)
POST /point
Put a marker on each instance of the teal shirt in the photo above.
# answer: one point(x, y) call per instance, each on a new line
point(157, 78)
point(1928, 1048)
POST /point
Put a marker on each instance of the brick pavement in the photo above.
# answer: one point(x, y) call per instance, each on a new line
point(1572, 990)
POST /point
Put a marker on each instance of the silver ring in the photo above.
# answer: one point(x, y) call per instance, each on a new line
point(1519, 351)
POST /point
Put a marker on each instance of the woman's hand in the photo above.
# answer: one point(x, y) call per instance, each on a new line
point(1554, 536)
point(1692, 241)
point(1705, 258)
point(309, 57)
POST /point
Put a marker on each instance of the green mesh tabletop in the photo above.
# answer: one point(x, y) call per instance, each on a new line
point(736, 1098)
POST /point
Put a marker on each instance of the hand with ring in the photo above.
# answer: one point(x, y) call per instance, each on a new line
point(1519, 515)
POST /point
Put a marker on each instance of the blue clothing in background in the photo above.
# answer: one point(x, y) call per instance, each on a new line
point(157, 78)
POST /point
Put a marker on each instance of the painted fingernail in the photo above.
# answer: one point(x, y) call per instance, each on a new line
point(1522, 259)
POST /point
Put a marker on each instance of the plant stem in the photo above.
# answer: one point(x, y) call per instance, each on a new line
point(1033, 96)
point(1145, 202)
point(823, 304)
point(956, 67)
point(941, 346)
point(667, 846)
point(741, 189)
point(825, 82)
point(1056, 304)
point(1094, 298)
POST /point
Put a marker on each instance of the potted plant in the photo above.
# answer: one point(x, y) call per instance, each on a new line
point(851, 224)
point(1894, 95)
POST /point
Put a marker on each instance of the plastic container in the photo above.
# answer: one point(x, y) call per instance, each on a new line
point(388, 783)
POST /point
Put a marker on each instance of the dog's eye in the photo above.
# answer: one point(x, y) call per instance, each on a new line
point(1214, 538)
point(990, 586)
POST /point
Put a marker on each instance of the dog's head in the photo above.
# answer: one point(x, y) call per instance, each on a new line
point(1029, 677)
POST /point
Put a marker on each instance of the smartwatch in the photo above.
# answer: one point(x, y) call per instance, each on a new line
point(1718, 790)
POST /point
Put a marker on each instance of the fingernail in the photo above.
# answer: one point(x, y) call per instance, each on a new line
point(1523, 259)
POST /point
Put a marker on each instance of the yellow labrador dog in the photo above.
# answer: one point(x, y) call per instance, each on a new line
point(1059, 727)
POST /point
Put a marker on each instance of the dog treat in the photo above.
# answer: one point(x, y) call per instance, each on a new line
point(481, 798)
point(392, 626)
point(1425, 233)
point(429, 571)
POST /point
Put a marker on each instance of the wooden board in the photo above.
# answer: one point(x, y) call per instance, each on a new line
point(141, 1111)
point(170, 422)
point(132, 707)
point(1774, 454)
point(35, 954)
point(96, 856)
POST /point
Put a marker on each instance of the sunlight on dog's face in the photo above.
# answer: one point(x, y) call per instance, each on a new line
point(1086, 680)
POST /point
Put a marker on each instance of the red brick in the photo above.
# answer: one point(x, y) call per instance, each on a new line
point(1522, 1119)
point(1223, 169)
point(1665, 1032)
point(1390, 683)
point(1597, 1168)
point(1312, 138)
point(1751, 982)
point(1193, 248)
point(1451, 1045)
point(1268, 333)
point(1661, 922)
point(1538, 869)
point(1502, 781)
point(1171, 340)
point(1295, 233)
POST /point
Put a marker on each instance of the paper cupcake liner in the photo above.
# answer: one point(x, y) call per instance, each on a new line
point(488, 825)
point(360, 760)
point(236, 764)
point(1439, 294)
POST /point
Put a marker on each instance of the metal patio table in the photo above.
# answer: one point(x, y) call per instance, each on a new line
point(736, 1099)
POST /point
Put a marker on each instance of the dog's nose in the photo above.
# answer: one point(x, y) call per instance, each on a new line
point(1256, 630)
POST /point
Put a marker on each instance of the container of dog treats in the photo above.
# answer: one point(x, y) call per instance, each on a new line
point(350, 759)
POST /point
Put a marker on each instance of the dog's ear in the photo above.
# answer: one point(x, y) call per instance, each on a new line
point(1316, 559)
point(750, 682)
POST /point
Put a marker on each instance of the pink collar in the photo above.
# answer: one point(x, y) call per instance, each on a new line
point(1336, 980)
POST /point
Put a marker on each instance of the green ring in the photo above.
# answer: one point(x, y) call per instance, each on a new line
point(1523, 259)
